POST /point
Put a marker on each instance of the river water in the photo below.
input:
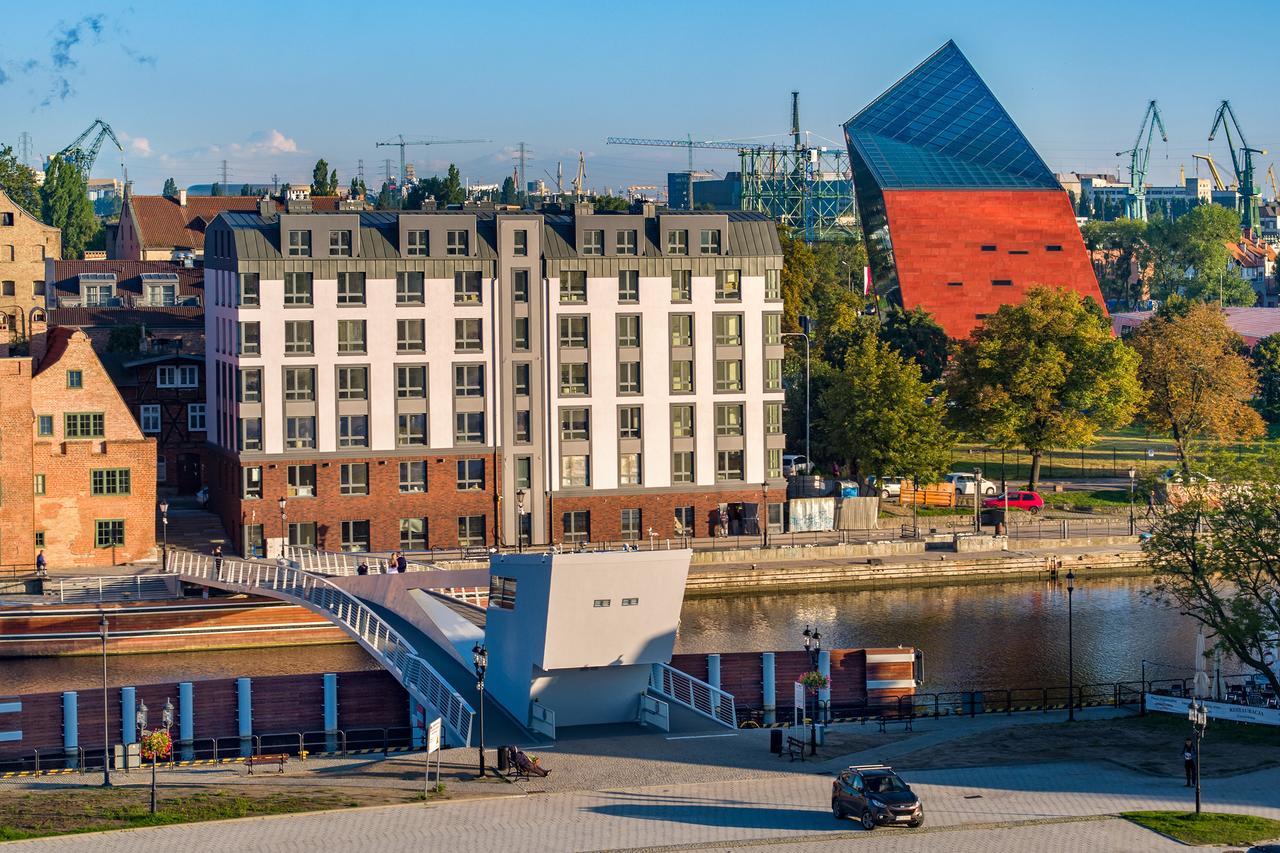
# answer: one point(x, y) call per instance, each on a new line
point(974, 636)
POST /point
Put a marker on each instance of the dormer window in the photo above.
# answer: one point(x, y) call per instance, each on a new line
point(709, 242)
point(677, 242)
point(592, 242)
point(416, 244)
point(339, 244)
point(457, 243)
point(627, 241)
point(299, 244)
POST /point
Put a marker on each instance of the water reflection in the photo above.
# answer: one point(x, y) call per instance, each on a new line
point(974, 636)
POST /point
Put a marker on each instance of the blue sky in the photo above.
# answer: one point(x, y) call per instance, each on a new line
point(272, 86)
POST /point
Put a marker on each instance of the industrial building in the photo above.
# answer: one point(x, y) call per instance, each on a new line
point(959, 212)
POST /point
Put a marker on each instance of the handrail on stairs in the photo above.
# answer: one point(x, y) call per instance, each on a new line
point(689, 692)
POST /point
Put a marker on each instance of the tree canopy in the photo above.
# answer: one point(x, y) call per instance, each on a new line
point(916, 335)
point(611, 202)
point(170, 188)
point(509, 193)
point(64, 204)
point(446, 191)
point(1041, 374)
point(19, 182)
point(324, 181)
point(1266, 360)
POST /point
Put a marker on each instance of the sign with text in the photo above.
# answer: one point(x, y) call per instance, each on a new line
point(799, 700)
point(1217, 710)
point(433, 736)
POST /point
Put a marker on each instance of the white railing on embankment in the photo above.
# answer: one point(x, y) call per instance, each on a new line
point(699, 696)
point(346, 562)
point(382, 641)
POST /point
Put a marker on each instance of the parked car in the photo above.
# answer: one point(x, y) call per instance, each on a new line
point(1030, 501)
point(875, 795)
point(964, 483)
point(1173, 475)
point(793, 465)
point(888, 487)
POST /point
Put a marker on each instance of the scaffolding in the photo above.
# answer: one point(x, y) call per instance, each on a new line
point(809, 189)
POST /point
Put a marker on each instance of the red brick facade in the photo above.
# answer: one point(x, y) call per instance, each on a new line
point(961, 254)
point(657, 510)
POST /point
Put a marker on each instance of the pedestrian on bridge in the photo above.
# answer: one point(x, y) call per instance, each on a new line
point(217, 561)
point(402, 565)
point(41, 566)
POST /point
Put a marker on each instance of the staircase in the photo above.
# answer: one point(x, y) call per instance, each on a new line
point(194, 529)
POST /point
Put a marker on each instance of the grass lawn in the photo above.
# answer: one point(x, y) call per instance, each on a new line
point(1208, 827)
point(1099, 499)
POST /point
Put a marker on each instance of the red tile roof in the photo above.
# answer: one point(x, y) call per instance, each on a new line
point(1252, 324)
point(162, 223)
point(65, 275)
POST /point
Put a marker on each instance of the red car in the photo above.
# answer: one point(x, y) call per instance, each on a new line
point(1030, 501)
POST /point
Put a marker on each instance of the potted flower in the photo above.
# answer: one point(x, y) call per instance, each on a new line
point(156, 745)
point(814, 681)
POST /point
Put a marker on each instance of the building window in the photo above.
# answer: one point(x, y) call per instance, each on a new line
point(411, 335)
point(457, 243)
point(355, 535)
point(681, 330)
point(416, 245)
point(6, 218)
point(411, 382)
point(300, 383)
point(709, 242)
point(302, 481)
point(729, 465)
point(466, 289)
point(1053, 248)
point(300, 433)
point(626, 241)
point(728, 286)
point(521, 375)
point(728, 330)
point(629, 377)
point(577, 527)
point(44, 425)
point(728, 375)
point(37, 286)
point(75, 379)
point(573, 286)
point(773, 463)
point(468, 428)
point(1001, 282)
point(684, 523)
point(520, 334)
point(468, 335)
point(251, 482)
point(468, 380)
point(629, 286)
point(988, 248)
point(354, 478)
point(677, 242)
point(351, 336)
point(299, 244)
point(682, 421)
point(630, 602)
point(351, 288)
point(682, 377)
point(772, 332)
point(250, 339)
point(502, 592)
point(162, 469)
point(520, 243)
point(90, 424)
point(413, 534)
point(629, 330)
point(524, 472)
point(682, 466)
point(471, 530)
point(107, 534)
point(592, 242)
point(602, 602)
point(773, 285)
point(302, 533)
point(629, 469)
point(177, 376)
point(298, 289)
point(471, 475)
point(250, 385)
point(38, 485)
point(682, 285)
point(631, 525)
point(524, 429)
point(353, 430)
point(575, 471)
point(729, 419)
point(955, 284)
point(773, 418)
point(573, 380)
point(163, 295)
point(251, 433)
point(410, 289)
point(95, 295)
point(110, 481)
point(339, 244)
point(39, 538)
point(773, 374)
point(411, 430)
point(520, 286)
point(299, 337)
point(353, 383)
point(413, 477)
point(573, 332)
point(196, 417)
point(575, 424)
point(629, 422)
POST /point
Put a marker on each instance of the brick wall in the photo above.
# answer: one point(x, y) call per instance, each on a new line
point(657, 510)
point(741, 674)
point(24, 246)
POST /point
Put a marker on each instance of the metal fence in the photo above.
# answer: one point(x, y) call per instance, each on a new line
point(683, 689)
point(86, 590)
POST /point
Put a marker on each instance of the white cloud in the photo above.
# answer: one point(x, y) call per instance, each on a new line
point(141, 146)
point(266, 142)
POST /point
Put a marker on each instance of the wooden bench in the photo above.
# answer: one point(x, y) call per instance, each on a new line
point(885, 719)
point(278, 759)
point(795, 748)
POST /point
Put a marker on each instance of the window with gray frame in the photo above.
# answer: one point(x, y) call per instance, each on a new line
point(299, 244)
point(251, 482)
point(576, 525)
point(411, 382)
point(520, 286)
point(773, 463)
point(250, 295)
point(728, 286)
point(631, 524)
point(628, 330)
point(299, 383)
point(468, 335)
point(573, 380)
point(575, 471)
point(411, 335)
point(773, 418)
point(416, 245)
point(471, 531)
point(250, 434)
point(413, 534)
point(457, 243)
point(353, 430)
point(728, 330)
point(629, 286)
point(250, 339)
point(629, 469)
point(523, 472)
point(728, 374)
point(302, 481)
point(411, 429)
point(573, 332)
point(300, 432)
point(299, 337)
point(303, 533)
point(682, 421)
point(353, 383)
point(470, 475)
point(629, 425)
point(298, 289)
point(677, 242)
point(410, 288)
point(729, 465)
point(351, 336)
point(773, 285)
point(413, 477)
point(467, 289)
point(355, 535)
point(625, 240)
point(468, 380)
point(709, 241)
point(684, 521)
point(523, 426)
point(682, 285)
point(340, 244)
point(592, 242)
point(628, 377)
point(773, 374)
point(521, 373)
point(682, 466)
point(728, 419)
point(682, 377)
point(354, 478)
point(573, 286)
point(771, 329)
point(681, 330)
point(468, 428)
point(520, 243)
point(351, 288)
point(575, 424)
point(520, 334)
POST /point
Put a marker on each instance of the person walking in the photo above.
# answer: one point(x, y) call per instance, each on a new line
point(217, 562)
point(1189, 761)
point(402, 565)
point(41, 566)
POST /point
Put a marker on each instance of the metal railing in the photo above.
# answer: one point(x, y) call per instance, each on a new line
point(346, 562)
point(382, 641)
point(683, 689)
point(83, 590)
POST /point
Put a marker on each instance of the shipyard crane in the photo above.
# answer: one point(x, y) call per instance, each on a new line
point(1271, 178)
point(401, 143)
point(1213, 170)
point(82, 155)
point(1242, 163)
point(688, 143)
point(1135, 206)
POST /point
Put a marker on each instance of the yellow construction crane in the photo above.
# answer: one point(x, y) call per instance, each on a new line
point(1271, 179)
point(1213, 170)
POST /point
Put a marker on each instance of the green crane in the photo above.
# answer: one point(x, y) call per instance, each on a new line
point(1135, 206)
point(1242, 162)
point(82, 153)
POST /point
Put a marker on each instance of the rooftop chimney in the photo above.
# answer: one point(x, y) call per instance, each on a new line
point(182, 198)
point(649, 209)
point(428, 203)
point(583, 208)
point(266, 207)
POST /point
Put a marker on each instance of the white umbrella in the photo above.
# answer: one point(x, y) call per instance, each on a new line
point(1202, 677)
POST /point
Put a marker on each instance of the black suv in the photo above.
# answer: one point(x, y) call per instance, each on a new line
point(875, 795)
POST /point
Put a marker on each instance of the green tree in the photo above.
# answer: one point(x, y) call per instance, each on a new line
point(125, 340)
point(509, 193)
point(1042, 374)
point(170, 188)
point(917, 336)
point(246, 189)
point(1192, 259)
point(611, 202)
point(876, 418)
point(323, 181)
point(217, 189)
point(19, 182)
point(64, 204)
point(385, 198)
point(358, 189)
point(1197, 383)
point(1121, 255)
point(1266, 361)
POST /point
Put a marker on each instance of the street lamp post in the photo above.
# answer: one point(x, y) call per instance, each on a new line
point(1199, 717)
point(480, 660)
point(520, 496)
point(977, 492)
point(764, 520)
point(284, 538)
point(813, 645)
point(164, 522)
point(166, 721)
point(106, 726)
point(808, 458)
point(1071, 652)
point(1133, 474)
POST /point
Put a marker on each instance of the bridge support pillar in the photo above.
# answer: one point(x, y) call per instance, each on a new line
point(70, 725)
point(128, 712)
point(417, 724)
point(330, 712)
point(713, 671)
point(769, 689)
point(824, 695)
point(186, 720)
point(244, 715)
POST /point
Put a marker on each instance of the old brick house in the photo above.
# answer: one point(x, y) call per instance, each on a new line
point(76, 474)
point(25, 244)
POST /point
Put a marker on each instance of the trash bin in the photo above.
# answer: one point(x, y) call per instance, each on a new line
point(504, 759)
point(775, 741)
point(820, 734)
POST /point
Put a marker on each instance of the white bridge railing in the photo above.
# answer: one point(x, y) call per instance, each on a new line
point(683, 689)
point(345, 562)
point(382, 641)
